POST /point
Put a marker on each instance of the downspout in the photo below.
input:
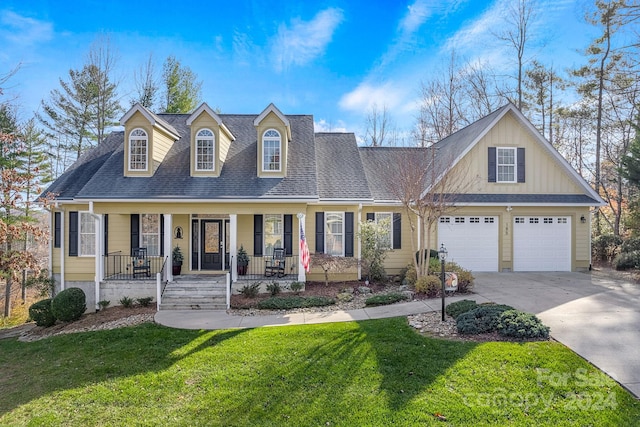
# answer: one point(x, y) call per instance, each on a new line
point(359, 242)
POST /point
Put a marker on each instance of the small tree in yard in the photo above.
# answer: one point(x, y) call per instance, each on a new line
point(333, 264)
point(375, 244)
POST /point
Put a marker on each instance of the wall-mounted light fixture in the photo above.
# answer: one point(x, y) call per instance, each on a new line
point(583, 219)
point(177, 233)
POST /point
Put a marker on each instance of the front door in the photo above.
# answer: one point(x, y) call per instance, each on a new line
point(211, 244)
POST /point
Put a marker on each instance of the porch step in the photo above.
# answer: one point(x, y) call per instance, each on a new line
point(194, 295)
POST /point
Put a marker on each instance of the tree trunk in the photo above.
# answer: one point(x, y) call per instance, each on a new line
point(7, 297)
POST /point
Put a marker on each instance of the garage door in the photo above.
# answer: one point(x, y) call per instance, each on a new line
point(471, 241)
point(542, 243)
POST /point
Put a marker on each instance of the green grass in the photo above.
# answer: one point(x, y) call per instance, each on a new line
point(372, 373)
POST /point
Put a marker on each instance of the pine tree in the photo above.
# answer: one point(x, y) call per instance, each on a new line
point(182, 91)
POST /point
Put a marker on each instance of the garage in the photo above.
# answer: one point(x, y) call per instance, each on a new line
point(471, 241)
point(542, 243)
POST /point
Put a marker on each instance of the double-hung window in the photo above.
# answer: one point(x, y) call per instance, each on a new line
point(273, 233)
point(386, 218)
point(138, 150)
point(205, 150)
point(506, 164)
point(150, 233)
point(271, 149)
point(87, 234)
point(334, 233)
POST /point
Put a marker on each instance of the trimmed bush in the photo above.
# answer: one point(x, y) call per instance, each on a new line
point(455, 309)
point(627, 261)
point(250, 291)
point(126, 302)
point(274, 288)
point(518, 324)
point(288, 302)
point(40, 312)
point(410, 275)
point(429, 285)
point(145, 302)
point(384, 299)
point(69, 304)
point(632, 244)
point(481, 319)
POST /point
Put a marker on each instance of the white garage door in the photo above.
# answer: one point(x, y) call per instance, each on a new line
point(542, 243)
point(471, 241)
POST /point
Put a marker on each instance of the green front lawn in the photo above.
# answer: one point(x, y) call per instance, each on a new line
point(373, 373)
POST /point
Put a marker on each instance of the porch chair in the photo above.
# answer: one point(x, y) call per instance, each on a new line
point(141, 263)
point(275, 264)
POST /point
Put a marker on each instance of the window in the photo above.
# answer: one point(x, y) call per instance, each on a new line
point(334, 233)
point(388, 217)
point(273, 233)
point(459, 220)
point(562, 220)
point(271, 150)
point(445, 220)
point(534, 220)
point(87, 234)
point(519, 220)
point(205, 151)
point(489, 220)
point(474, 220)
point(138, 150)
point(506, 164)
point(150, 233)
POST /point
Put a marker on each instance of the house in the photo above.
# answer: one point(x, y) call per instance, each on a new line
point(210, 183)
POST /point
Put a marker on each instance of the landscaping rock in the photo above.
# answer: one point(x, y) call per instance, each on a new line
point(364, 290)
point(344, 297)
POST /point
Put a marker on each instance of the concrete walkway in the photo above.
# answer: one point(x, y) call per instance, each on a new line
point(597, 317)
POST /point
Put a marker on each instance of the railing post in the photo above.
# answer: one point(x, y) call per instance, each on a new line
point(228, 291)
point(158, 291)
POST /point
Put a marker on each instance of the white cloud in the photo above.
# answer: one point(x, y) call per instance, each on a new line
point(329, 126)
point(303, 41)
point(366, 95)
point(24, 31)
point(416, 15)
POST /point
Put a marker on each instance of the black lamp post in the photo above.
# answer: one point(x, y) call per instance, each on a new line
point(442, 254)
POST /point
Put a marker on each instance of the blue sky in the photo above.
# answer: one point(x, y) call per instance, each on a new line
point(332, 59)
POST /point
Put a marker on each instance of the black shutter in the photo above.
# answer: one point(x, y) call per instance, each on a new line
point(135, 232)
point(73, 233)
point(371, 216)
point(492, 164)
point(288, 235)
point(520, 164)
point(397, 231)
point(257, 235)
point(319, 232)
point(348, 234)
point(106, 234)
point(57, 228)
point(161, 235)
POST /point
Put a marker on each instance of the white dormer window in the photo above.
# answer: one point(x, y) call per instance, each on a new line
point(271, 149)
point(138, 150)
point(205, 150)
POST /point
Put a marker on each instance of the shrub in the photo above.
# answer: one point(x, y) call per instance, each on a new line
point(517, 324)
point(41, 313)
point(289, 302)
point(384, 299)
point(145, 302)
point(627, 260)
point(429, 285)
point(481, 319)
point(250, 291)
point(632, 244)
point(69, 304)
point(126, 302)
point(455, 309)
point(274, 288)
point(296, 287)
point(411, 275)
point(606, 246)
point(103, 304)
point(435, 266)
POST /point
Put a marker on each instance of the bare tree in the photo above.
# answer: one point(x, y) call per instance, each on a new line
point(147, 85)
point(377, 125)
point(518, 19)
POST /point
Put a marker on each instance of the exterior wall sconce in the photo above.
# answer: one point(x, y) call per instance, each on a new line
point(177, 233)
point(583, 219)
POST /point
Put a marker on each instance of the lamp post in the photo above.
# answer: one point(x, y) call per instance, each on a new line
point(442, 254)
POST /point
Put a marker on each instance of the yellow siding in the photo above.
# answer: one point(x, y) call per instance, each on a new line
point(119, 233)
point(76, 267)
point(271, 121)
point(160, 145)
point(203, 121)
point(543, 173)
point(184, 222)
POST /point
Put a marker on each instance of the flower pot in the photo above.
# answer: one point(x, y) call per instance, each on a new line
point(242, 270)
point(176, 268)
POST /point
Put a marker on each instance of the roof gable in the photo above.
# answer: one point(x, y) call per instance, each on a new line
point(271, 108)
point(153, 119)
point(204, 108)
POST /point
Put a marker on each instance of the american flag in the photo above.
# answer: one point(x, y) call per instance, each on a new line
point(304, 250)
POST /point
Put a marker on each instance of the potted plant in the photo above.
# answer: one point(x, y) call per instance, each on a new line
point(243, 261)
point(177, 258)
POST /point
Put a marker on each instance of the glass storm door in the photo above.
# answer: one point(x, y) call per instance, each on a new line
point(211, 244)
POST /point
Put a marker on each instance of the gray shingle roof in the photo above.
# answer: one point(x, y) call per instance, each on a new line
point(340, 171)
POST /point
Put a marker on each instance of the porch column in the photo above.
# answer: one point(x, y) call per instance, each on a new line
point(359, 253)
point(168, 230)
point(63, 230)
point(233, 245)
point(302, 274)
point(99, 227)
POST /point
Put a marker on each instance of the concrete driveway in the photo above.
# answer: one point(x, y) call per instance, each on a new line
point(595, 316)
